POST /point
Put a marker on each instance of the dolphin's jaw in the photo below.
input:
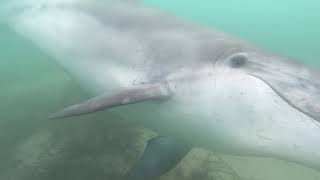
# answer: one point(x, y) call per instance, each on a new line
point(260, 122)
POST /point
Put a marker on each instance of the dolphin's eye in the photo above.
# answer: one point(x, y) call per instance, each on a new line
point(238, 60)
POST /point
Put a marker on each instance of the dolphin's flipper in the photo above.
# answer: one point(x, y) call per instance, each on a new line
point(161, 155)
point(126, 96)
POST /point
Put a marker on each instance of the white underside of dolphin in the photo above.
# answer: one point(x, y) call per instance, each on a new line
point(181, 80)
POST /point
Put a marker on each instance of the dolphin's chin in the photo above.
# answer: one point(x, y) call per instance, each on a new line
point(278, 93)
point(300, 130)
point(301, 94)
point(255, 120)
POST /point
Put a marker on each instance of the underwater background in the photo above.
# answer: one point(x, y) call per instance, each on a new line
point(103, 146)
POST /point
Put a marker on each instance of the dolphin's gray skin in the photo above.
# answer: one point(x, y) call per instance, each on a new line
point(221, 93)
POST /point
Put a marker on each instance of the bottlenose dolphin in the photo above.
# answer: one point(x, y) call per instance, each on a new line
point(186, 82)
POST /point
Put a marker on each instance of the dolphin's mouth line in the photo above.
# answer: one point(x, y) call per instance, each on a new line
point(285, 99)
point(266, 82)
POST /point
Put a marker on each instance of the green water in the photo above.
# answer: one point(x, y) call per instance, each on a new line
point(98, 146)
point(289, 27)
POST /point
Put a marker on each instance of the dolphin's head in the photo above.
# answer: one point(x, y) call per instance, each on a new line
point(267, 105)
point(297, 84)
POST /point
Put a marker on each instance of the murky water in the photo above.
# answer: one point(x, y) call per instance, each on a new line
point(103, 146)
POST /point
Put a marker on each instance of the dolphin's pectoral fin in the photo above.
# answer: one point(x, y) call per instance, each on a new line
point(300, 93)
point(126, 96)
point(161, 155)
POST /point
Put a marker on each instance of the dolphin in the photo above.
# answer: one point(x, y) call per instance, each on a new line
point(187, 82)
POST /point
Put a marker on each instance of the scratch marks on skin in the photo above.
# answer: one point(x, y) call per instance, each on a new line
point(264, 137)
point(275, 101)
point(126, 101)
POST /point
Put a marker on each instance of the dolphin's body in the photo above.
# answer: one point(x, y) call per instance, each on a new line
point(220, 93)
